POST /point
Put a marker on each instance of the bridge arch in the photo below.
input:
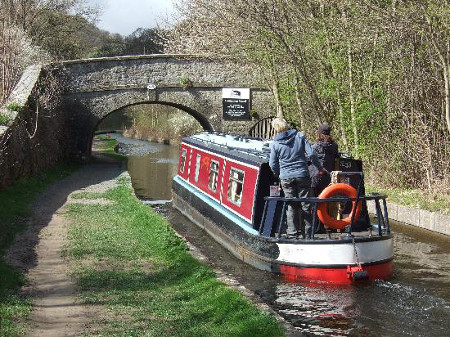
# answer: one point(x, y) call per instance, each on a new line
point(200, 118)
point(203, 121)
point(96, 87)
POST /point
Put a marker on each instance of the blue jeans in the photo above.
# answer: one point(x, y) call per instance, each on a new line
point(298, 188)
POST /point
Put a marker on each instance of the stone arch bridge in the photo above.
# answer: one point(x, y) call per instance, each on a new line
point(59, 106)
point(97, 87)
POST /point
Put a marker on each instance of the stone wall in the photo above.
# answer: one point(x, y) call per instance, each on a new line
point(35, 139)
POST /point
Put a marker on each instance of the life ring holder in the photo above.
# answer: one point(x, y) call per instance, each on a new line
point(322, 210)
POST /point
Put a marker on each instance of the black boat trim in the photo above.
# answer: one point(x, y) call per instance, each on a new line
point(326, 241)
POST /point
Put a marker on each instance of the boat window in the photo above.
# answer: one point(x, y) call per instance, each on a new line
point(183, 160)
point(213, 175)
point(235, 186)
point(197, 167)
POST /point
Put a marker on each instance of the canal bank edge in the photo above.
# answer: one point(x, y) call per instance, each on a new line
point(227, 279)
point(290, 330)
point(432, 221)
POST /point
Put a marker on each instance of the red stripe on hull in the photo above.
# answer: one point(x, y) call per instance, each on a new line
point(335, 275)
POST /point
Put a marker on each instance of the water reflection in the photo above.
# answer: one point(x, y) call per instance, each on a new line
point(317, 309)
point(416, 302)
point(151, 166)
point(382, 308)
point(422, 259)
point(152, 175)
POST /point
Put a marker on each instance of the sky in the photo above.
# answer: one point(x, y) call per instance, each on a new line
point(125, 16)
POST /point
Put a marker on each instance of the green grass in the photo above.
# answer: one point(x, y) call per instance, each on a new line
point(4, 120)
point(107, 145)
point(14, 206)
point(414, 198)
point(128, 260)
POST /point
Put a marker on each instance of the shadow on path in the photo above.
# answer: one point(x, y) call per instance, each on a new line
point(37, 252)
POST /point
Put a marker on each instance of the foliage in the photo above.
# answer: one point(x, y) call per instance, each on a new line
point(65, 36)
point(377, 71)
point(140, 42)
point(14, 205)
point(15, 107)
point(143, 41)
point(107, 146)
point(158, 122)
point(21, 53)
point(129, 261)
point(4, 120)
point(415, 198)
point(34, 32)
point(185, 82)
point(41, 31)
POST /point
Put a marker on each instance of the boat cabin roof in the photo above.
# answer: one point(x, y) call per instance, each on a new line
point(240, 147)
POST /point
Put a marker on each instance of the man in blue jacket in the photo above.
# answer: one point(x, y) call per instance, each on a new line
point(288, 161)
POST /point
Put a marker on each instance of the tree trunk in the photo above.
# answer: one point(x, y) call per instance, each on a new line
point(446, 73)
point(298, 97)
point(444, 58)
point(338, 92)
point(352, 98)
point(3, 60)
point(276, 95)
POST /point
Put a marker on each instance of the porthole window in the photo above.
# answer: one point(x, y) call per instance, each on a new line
point(235, 186)
point(213, 175)
point(197, 167)
point(183, 160)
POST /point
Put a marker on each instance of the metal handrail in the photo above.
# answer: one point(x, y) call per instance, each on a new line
point(382, 216)
point(382, 219)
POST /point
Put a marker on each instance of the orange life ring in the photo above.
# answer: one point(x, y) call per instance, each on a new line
point(322, 210)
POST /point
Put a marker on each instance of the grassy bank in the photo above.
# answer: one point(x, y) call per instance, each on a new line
point(107, 146)
point(414, 198)
point(128, 261)
point(14, 207)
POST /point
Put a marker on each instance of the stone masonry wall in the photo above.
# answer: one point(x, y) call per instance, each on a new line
point(97, 87)
point(34, 140)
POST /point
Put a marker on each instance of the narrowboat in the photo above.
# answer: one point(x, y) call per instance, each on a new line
point(224, 185)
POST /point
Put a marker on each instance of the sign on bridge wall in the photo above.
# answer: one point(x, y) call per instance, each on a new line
point(236, 104)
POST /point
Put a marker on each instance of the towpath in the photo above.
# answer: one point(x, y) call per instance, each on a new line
point(38, 251)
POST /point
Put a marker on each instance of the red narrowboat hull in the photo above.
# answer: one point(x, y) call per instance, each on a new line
point(382, 271)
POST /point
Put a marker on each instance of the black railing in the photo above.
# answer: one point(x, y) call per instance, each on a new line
point(272, 212)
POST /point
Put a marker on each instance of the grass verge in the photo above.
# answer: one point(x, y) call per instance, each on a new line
point(127, 260)
point(4, 120)
point(414, 198)
point(14, 206)
point(107, 146)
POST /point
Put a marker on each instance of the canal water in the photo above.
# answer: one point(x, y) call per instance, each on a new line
point(415, 302)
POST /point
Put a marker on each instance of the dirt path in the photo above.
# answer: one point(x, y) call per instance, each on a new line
point(56, 310)
point(38, 251)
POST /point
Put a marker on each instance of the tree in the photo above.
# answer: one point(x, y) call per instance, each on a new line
point(378, 70)
point(143, 41)
point(33, 31)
